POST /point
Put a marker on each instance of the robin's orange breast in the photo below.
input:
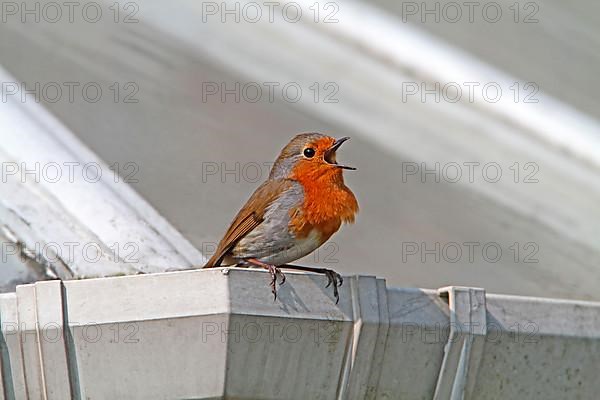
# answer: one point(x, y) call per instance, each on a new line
point(325, 207)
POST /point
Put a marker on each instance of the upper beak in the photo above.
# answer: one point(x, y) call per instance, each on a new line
point(336, 145)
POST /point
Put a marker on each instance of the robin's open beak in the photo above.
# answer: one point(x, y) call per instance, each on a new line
point(330, 154)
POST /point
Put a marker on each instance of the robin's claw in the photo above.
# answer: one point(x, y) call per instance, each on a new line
point(332, 277)
point(329, 278)
point(336, 294)
point(273, 270)
point(336, 279)
point(282, 277)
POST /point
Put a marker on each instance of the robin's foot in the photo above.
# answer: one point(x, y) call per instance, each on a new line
point(274, 271)
point(332, 277)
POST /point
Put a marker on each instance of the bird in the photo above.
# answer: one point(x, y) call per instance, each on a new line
point(303, 202)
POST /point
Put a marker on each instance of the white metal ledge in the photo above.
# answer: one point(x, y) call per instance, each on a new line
point(212, 334)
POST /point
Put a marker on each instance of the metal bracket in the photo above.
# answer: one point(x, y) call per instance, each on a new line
point(462, 354)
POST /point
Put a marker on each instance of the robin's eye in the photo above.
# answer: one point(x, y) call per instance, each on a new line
point(309, 152)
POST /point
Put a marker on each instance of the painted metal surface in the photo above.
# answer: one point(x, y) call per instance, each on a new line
point(462, 354)
point(65, 213)
point(213, 334)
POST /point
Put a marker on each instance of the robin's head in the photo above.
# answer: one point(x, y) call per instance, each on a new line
point(310, 155)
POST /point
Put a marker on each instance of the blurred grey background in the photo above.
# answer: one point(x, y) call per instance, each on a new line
point(385, 73)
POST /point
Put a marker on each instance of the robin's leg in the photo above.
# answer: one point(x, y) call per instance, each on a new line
point(332, 277)
point(273, 270)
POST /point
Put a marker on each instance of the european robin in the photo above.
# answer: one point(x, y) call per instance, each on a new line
point(302, 203)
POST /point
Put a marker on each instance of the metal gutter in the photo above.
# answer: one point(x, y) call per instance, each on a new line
point(212, 334)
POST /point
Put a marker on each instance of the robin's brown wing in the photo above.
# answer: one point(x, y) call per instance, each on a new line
point(249, 217)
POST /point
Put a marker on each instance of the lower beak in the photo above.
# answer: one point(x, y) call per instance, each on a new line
point(336, 145)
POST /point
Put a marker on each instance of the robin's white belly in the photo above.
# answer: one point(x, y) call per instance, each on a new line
point(298, 248)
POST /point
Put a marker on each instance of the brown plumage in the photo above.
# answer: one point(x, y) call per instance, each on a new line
point(248, 218)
